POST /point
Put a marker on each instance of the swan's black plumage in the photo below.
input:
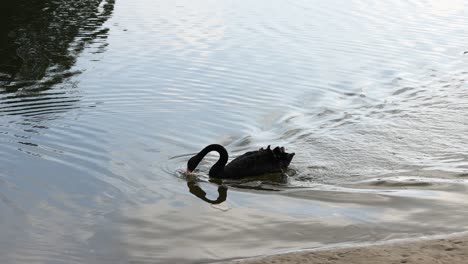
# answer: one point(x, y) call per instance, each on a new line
point(249, 164)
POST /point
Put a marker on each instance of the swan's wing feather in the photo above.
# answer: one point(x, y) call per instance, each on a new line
point(259, 162)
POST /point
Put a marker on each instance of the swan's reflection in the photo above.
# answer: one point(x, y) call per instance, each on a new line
point(196, 190)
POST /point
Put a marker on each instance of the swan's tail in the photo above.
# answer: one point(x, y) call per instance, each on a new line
point(280, 155)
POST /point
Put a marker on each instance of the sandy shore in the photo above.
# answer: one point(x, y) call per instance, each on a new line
point(453, 250)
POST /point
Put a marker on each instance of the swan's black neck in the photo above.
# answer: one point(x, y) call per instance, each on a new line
point(217, 169)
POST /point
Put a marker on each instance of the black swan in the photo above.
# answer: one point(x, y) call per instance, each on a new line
point(252, 163)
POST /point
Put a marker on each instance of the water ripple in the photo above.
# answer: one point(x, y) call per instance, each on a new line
point(100, 111)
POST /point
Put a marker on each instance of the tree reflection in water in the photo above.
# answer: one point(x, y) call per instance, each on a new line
point(40, 43)
point(42, 39)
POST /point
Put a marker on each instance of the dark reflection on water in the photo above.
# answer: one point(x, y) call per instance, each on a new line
point(42, 42)
point(43, 39)
point(196, 190)
point(101, 103)
point(268, 182)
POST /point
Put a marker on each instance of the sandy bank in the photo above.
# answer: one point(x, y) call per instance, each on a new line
point(453, 250)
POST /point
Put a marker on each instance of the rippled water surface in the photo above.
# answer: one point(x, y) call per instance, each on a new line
point(103, 102)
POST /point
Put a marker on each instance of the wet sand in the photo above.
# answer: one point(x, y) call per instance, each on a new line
point(453, 250)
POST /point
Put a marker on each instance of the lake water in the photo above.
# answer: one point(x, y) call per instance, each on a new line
point(103, 103)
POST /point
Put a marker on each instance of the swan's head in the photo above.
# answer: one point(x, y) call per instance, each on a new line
point(193, 163)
